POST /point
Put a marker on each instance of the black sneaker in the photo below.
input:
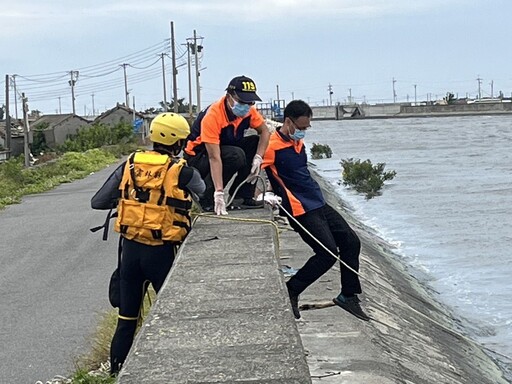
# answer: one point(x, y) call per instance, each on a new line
point(251, 204)
point(351, 305)
point(294, 301)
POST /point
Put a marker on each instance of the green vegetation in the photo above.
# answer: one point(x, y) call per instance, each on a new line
point(96, 136)
point(88, 364)
point(365, 177)
point(90, 150)
point(318, 151)
point(17, 181)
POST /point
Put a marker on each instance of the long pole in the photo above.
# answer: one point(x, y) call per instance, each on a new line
point(198, 87)
point(394, 92)
point(189, 82)
point(174, 69)
point(126, 94)
point(93, 113)
point(163, 78)
point(26, 150)
point(15, 96)
point(72, 84)
point(7, 118)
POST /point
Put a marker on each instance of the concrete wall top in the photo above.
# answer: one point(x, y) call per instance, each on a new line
point(223, 315)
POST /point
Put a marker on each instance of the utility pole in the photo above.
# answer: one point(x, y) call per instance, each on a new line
point(394, 93)
point(174, 70)
point(26, 150)
point(189, 81)
point(7, 118)
point(350, 95)
point(60, 109)
point(15, 96)
point(492, 89)
point(198, 87)
point(163, 78)
point(93, 113)
point(329, 88)
point(415, 100)
point(277, 89)
point(72, 82)
point(126, 93)
point(479, 85)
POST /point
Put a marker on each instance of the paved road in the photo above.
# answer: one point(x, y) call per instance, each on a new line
point(53, 280)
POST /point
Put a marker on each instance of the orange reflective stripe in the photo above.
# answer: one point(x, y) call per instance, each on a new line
point(296, 205)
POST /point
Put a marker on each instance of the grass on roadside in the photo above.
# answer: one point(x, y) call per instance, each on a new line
point(17, 181)
point(87, 365)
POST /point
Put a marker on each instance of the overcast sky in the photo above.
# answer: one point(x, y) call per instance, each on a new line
point(301, 46)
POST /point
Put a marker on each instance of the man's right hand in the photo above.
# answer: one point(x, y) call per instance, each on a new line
point(220, 204)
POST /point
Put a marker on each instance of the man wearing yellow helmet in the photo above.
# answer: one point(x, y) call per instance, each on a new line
point(151, 191)
point(219, 147)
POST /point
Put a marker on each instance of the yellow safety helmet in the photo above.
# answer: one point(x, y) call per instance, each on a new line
point(167, 128)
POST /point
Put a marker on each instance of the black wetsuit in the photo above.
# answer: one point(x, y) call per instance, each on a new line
point(141, 264)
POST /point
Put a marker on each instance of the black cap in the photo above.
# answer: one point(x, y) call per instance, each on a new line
point(244, 89)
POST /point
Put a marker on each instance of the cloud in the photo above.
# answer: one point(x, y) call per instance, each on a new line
point(40, 15)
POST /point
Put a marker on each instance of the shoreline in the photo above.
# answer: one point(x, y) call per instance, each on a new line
point(403, 274)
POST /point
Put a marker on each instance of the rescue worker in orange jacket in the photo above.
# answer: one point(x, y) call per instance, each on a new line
point(152, 191)
point(219, 147)
point(285, 162)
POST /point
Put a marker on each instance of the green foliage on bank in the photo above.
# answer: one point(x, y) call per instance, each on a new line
point(17, 181)
point(90, 150)
point(319, 151)
point(365, 177)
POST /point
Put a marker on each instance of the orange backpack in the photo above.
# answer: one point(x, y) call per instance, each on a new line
point(152, 208)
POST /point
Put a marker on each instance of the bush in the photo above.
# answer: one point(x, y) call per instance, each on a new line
point(318, 151)
point(365, 177)
point(17, 181)
point(98, 135)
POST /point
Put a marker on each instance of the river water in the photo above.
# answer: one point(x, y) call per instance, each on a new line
point(448, 211)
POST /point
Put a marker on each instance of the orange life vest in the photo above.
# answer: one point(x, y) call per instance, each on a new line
point(152, 208)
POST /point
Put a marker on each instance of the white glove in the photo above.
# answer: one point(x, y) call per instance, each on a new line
point(220, 204)
point(272, 199)
point(255, 168)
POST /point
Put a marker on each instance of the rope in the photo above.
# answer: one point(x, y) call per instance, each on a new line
point(448, 330)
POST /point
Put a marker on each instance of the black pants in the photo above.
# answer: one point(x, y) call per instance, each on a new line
point(235, 159)
point(329, 227)
point(140, 264)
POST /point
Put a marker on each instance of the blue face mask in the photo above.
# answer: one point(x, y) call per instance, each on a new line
point(240, 109)
point(298, 134)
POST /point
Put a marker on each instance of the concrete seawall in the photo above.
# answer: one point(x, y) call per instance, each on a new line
point(223, 316)
point(407, 110)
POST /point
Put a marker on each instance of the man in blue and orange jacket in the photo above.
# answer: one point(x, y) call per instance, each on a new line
point(285, 162)
point(219, 148)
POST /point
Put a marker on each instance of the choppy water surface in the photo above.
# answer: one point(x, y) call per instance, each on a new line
point(448, 211)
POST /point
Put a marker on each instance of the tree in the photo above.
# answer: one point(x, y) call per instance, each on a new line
point(182, 106)
point(365, 177)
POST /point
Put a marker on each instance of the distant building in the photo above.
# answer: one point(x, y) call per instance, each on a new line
point(57, 128)
point(118, 114)
point(17, 138)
